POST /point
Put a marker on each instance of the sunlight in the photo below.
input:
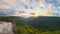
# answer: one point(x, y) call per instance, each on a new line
point(35, 15)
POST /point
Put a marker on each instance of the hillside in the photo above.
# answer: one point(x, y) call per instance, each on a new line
point(45, 23)
point(40, 25)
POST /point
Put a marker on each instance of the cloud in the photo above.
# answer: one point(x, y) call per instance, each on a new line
point(4, 7)
point(13, 3)
point(24, 1)
point(49, 14)
point(42, 3)
point(6, 4)
point(51, 6)
point(9, 2)
point(6, 12)
point(58, 1)
point(39, 6)
point(59, 7)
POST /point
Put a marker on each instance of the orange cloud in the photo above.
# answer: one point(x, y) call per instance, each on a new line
point(9, 2)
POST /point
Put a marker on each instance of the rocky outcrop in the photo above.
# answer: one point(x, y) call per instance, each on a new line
point(6, 28)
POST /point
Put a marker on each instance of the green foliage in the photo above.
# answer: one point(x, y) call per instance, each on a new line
point(24, 29)
point(40, 25)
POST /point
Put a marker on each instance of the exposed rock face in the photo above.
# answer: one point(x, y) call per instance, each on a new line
point(6, 28)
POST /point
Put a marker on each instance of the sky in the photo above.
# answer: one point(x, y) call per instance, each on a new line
point(39, 7)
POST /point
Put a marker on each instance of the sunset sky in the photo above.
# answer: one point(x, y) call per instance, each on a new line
point(39, 7)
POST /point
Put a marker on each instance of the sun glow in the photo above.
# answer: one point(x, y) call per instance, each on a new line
point(35, 15)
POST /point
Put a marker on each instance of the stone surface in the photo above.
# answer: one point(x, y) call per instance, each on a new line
point(6, 28)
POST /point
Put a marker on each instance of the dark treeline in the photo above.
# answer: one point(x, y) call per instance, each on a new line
point(45, 23)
